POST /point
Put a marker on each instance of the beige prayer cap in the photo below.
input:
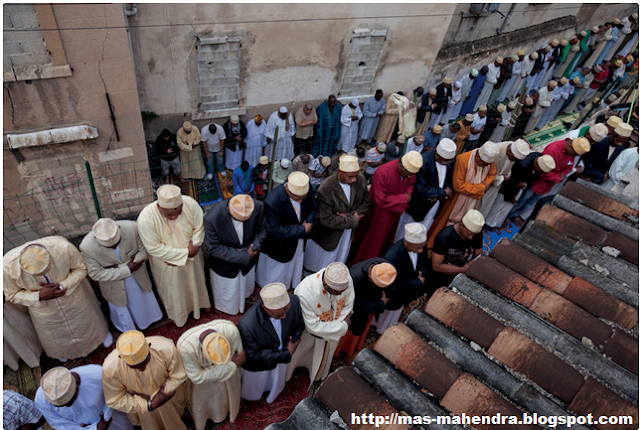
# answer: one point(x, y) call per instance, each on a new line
point(468, 117)
point(634, 15)
point(581, 145)
point(473, 221)
point(629, 58)
point(415, 233)
point(35, 259)
point(326, 160)
point(298, 184)
point(546, 163)
point(623, 130)
point(501, 107)
point(576, 80)
point(613, 121)
point(555, 43)
point(382, 148)
point(612, 98)
point(553, 84)
point(349, 163)
point(337, 276)
point(514, 58)
point(234, 119)
point(548, 48)
point(520, 52)
point(241, 207)
point(499, 60)
point(437, 129)
point(216, 348)
point(583, 33)
point(264, 160)
point(563, 80)
point(412, 161)
point(598, 132)
point(595, 29)
point(446, 149)
point(274, 296)
point(402, 138)
point(563, 42)
point(534, 55)
point(58, 386)
point(186, 126)
point(617, 21)
point(132, 347)
point(433, 91)
point(512, 104)
point(383, 274)
point(106, 232)
point(482, 108)
point(617, 62)
point(169, 196)
point(447, 80)
point(520, 149)
point(488, 152)
point(528, 101)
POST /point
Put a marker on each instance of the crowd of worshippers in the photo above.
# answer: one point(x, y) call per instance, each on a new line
point(334, 254)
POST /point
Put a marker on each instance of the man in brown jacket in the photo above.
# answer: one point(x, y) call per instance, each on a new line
point(343, 200)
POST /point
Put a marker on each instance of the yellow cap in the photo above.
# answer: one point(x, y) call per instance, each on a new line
point(216, 348)
point(35, 259)
point(412, 161)
point(132, 347)
point(581, 145)
point(383, 274)
point(241, 207)
point(58, 386)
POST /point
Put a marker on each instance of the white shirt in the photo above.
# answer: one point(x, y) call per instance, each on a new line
point(347, 190)
point(213, 140)
point(493, 74)
point(442, 174)
point(414, 259)
point(477, 123)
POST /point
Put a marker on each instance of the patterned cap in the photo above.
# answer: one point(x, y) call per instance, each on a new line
point(555, 43)
point(546, 163)
point(613, 121)
point(623, 130)
point(264, 160)
point(106, 232)
point(234, 119)
point(415, 233)
point(512, 104)
point(473, 221)
point(437, 129)
point(169, 196)
point(598, 132)
point(326, 160)
point(241, 207)
point(446, 149)
point(58, 386)
point(383, 274)
point(298, 184)
point(447, 80)
point(35, 259)
point(501, 107)
point(482, 108)
point(412, 161)
point(581, 145)
point(535, 55)
point(349, 163)
point(382, 148)
point(468, 117)
point(186, 126)
point(337, 276)
point(520, 52)
point(552, 84)
point(216, 348)
point(274, 296)
point(488, 152)
point(132, 347)
point(520, 149)
point(499, 60)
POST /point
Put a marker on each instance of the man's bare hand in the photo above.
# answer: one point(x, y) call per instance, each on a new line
point(50, 291)
point(291, 346)
point(161, 398)
point(103, 424)
point(357, 215)
point(135, 393)
point(193, 250)
point(133, 266)
point(307, 227)
point(239, 359)
point(251, 252)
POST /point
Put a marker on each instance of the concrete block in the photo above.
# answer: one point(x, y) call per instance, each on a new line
point(618, 269)
point(593, 398)
point(35, 47)
point(12, 48)
point(6, 21)
point(30, 59)
point(25, 20)
point(544, 241)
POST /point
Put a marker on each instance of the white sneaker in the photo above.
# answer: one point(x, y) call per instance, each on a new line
point(108, 341)
point(209, 177)
point(62, 360)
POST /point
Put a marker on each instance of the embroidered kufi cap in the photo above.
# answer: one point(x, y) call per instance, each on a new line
point(216, 348)
point(553, 84)
point(337, 276)
point(186, 126)
point(415, 233)
point(501, 107)
point(447, 80)
point(520, 52)
point(132, 347)
point(595, 29)
point(169, 196)
point(528, 101)
point(514, 58)
point(512, 104)
point(555, 43)
point(234, 119)
point(546, 163)
point(482, 108)
point(433, 91)
point(488, 152)
point(473, 221)
point(598, 132)
point(58, 386)
point(623, 130)
point(298, 183)
point(106, 232)
point(326, 160)
point(563, 42)
point(474, 72)
point(468, 117)
point(581, 145)
point(564, 80)
point(499, 60)
point(576, 80)
point(264, 160)
point(437, 129)
point(613, 121)
point(382, 148)
point(583, 33)
point(520, 149)
point(412, 161)
point(241, 207)
point(349, 163)
point(383, 274)
point(35, 259)
point(535, 55)
point(446, 149)
point(285, 163)
point(274, 296)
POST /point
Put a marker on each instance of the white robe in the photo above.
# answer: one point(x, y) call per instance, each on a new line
point(623, 163)
point(490, 80)
point(19, 337)
point(372, 110)
point(284, 146)
point(86, 408)
point(503, 168)
point(324, 319)
point(349, 130)
point(255, 142)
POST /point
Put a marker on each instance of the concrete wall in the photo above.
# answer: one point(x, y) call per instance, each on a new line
point(59, 198)
point(291, 54)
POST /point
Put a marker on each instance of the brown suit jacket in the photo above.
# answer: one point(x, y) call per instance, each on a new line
point(329, 226)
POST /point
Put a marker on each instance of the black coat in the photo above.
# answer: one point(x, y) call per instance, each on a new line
point(227, 256)
point(283, 227)
point(597, 161)
point(522, 171)
point(368, 296)
point(230, 141)
point(442, 99)
point(407, 287)
point(427, 187)
point(260, 340)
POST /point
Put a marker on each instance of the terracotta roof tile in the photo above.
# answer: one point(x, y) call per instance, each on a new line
point(627, 247)
point(571, 225)
point(593, 398)
point(597, 201)
point(623, 349)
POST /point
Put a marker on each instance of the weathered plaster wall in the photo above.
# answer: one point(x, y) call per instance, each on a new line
point(97, 49)
point(291, 54)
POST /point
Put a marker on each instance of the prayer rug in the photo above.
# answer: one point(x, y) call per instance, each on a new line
point(550, 132)
point(490, 237)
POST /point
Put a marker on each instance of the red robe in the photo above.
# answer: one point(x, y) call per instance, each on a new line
point(389, 197)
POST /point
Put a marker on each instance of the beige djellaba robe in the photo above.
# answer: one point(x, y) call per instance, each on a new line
point(324, 319)
point(214, 389)
point(503, 168)
point(191, 162)
point(164, 367)
point(181, 285)
point(69, 326)
point(19, 337)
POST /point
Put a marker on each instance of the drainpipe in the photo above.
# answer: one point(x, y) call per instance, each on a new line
point(506, 19)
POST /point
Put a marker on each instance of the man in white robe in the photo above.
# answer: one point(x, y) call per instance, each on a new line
point(255, 140)
point(19, 337)
point(290, 211)
point(72, 399)
point(270, 333)
point(545, 97)
point(527, 66)
point(489, 82)
point(283, 120)
point(49, 276)
point(235, 232)
point(326, 299)
point(516, 69)
point(372, 110)
point(212, 355)
point(620, 166)
point(172, 232)
point(115, 258)
point(349, 118)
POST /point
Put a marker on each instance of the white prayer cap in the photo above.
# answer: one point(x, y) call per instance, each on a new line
point(488, 152)
point(446, 149)
point(415, 233)
point(552, 84)
point(337, 276)
point(581, 145)
point(499, 60)
point(349, 163)
point(583, 33)
point(35, 259)
point(546, 163)
point(613, 121)
point(234, 119)
point(563, 42)
point(598, 132)
point(617, 62)
point(412, 161)
point(514, 58)
point(325, 161)
point(520, 52)
point(274, 296)
point(433, 91)
point(457, 84)
point(576, 80)
point(617, 21)
point(382, 148)
point(216, 348)
point(283, 109)
point(512, 104)
point(534, 55)
point(528, 101)
point(473, 221)
point(58, 386)
point(186, 126)
point(354, 102)
point(623, 130)
point(501, 107)
point(437, 129)
point(169, 196)
point(447, 80)
point(555, 43)
point(285, 163)
point(132, 347)
point(241, 207)
point(548, 48)
point(520, 149)
point(468, 117)
point(106, 232)
point(634, 15)
point(383, 274)
point(264, 160)
point(482, 108)
point(564, 80)
point(298, 183)
point(595, 29)
point(474, 72)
